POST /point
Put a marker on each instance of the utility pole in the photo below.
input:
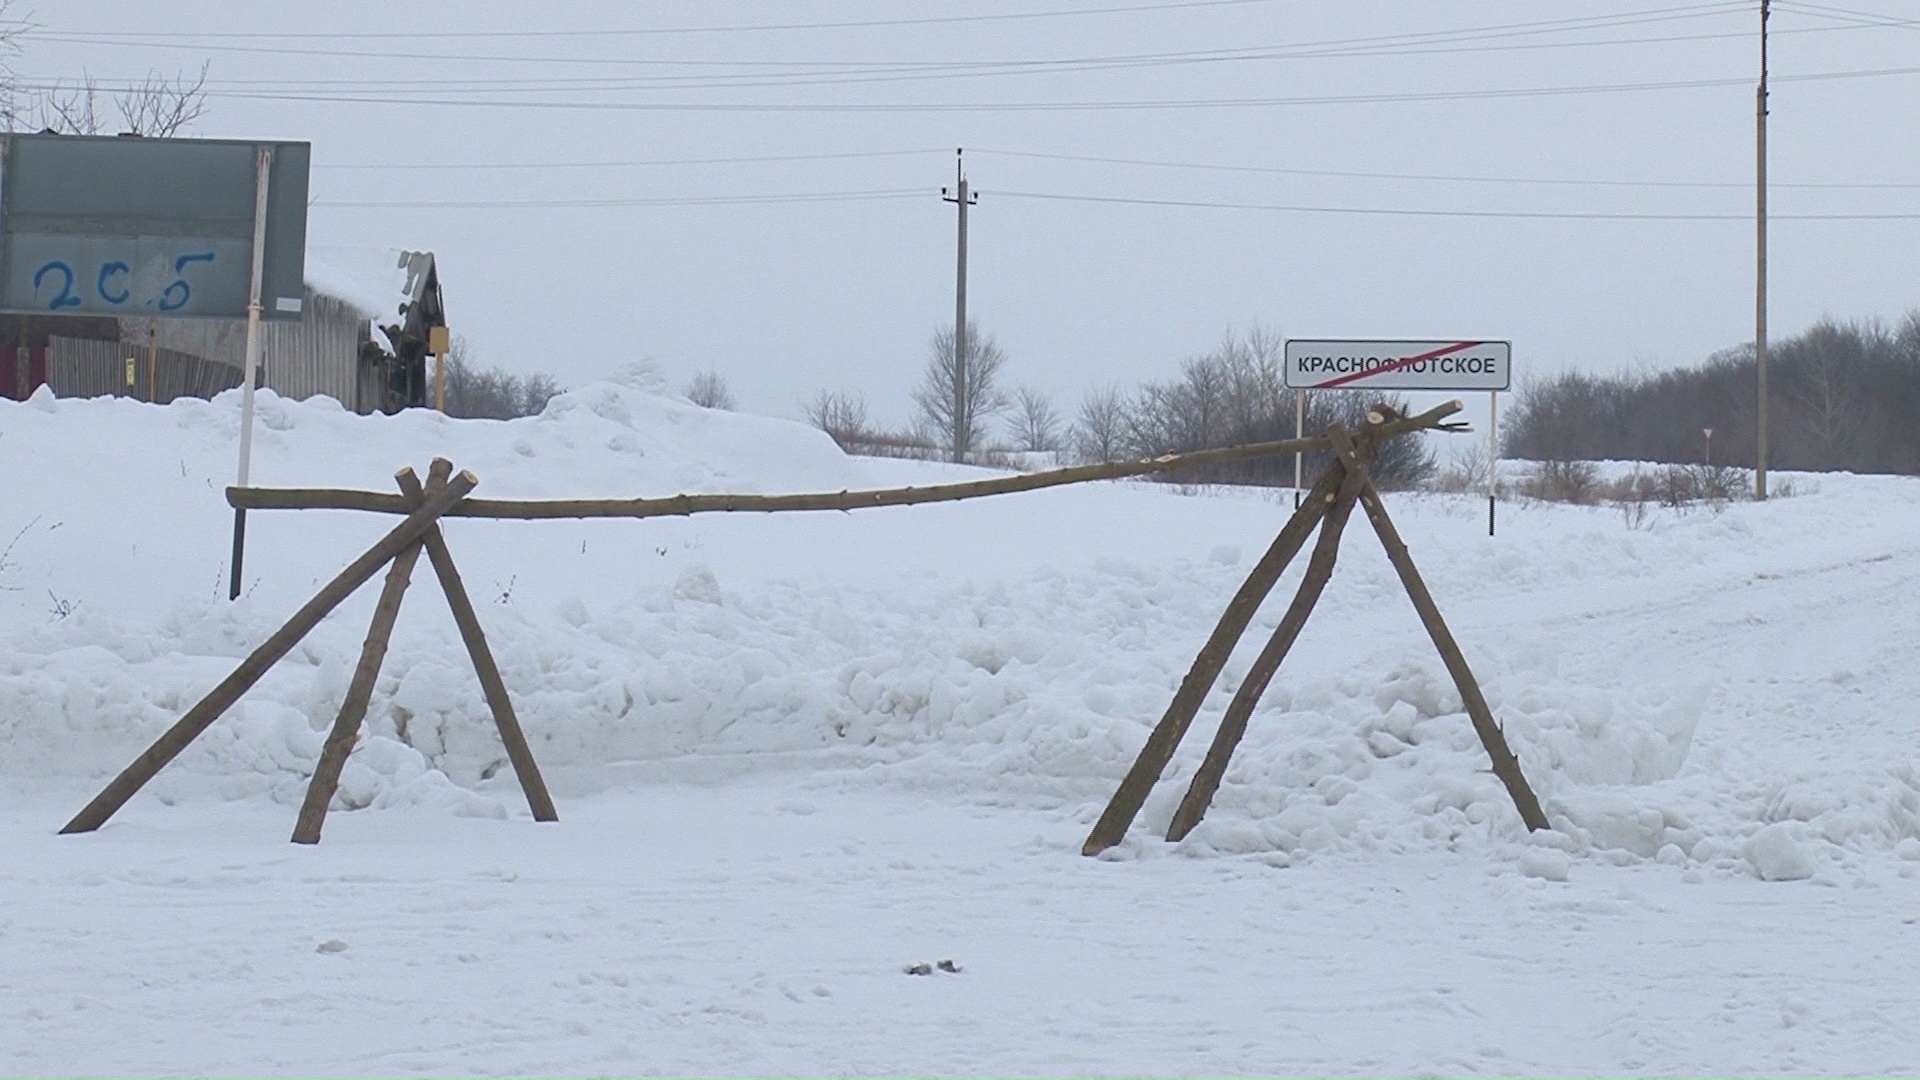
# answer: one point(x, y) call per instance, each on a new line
point(1760, 255)
point(962, 198)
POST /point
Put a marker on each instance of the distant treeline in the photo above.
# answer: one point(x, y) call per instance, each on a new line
point(1841, 396)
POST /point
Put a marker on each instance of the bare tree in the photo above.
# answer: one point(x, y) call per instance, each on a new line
point(956, 395)
point(1035, 424)
point(480, 393)
point(1830, 406)
point(1099, 433)
point(709, 390)
point(158, 106)
point(842, 414)
point(1234, 394)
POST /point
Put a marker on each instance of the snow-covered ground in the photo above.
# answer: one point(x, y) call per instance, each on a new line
point(796, 754)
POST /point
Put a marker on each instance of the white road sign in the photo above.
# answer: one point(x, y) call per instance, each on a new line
point(1399, 365)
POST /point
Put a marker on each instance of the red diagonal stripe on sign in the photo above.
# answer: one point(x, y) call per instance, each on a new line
point(1396, 365)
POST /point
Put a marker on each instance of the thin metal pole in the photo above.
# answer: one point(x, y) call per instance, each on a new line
point(264, 170)
point(1760, 257)
point(1299, 429)
point(1493, 454)
point(153, 360)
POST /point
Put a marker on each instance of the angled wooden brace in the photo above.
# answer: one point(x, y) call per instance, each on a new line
point(1505, 765)
point(1233, 726)
point(495, 688)
point(221, 697)
point(1165, 739)
point(353, 710)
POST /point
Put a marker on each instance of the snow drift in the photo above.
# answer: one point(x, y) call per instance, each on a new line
point(1016, 650)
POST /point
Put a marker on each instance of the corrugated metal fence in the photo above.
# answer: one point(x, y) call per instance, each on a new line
point(79, 367)
point(320, 354)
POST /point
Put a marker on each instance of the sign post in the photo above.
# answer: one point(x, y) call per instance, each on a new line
point(263, 176)
point(1493, 454)
point(1406, 365)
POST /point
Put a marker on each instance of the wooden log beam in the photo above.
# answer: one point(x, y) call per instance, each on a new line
point(682, 505)
point(373, 653)
point(222, 697)
point(1505, 765)
point(1233, 726)
point(1165, 739)
point(491, 684)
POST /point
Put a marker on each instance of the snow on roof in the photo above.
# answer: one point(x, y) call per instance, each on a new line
point(375, 280)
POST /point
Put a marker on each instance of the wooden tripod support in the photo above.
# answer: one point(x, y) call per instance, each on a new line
point(1327, 505)
point(399, 549)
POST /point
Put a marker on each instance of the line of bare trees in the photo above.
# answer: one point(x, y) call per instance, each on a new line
point(156, 106)
point(1232, 394)
point(491, 393)
point(1842, 396)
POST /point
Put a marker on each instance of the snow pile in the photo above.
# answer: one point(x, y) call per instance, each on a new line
point(1016, 650)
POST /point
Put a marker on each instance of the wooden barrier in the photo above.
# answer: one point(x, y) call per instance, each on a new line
point(1326, 507)
point(399, 549)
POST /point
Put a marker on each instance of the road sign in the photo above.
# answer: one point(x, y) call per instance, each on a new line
point(1399, 365)
point(99, 225)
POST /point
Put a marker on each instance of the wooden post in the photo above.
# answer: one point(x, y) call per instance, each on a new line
point(1138, 783)
point(1233, 726)
point(222, 697)
point(353, 710)
point(1505, 765)
point(495, 688)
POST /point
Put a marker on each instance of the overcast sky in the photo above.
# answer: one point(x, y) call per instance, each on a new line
point(1460, 128)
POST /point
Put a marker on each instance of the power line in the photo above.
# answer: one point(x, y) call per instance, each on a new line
point(1411, 212)
point(1331, 48)
point(854, 74)
point(1857, 18)
point(492, 166)
point(1057, 106)
point(671, 200)
point(911, 193)
point(636, 163)
point(929, 20)
point(1441, 177)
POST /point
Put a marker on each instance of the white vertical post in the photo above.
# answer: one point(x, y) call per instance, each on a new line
point(1299, 431)
point(1493, 454)
point(263, 171)
point(1760, 263)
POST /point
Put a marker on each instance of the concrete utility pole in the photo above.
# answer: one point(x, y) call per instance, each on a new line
point(962, 198)
point(1760, 255)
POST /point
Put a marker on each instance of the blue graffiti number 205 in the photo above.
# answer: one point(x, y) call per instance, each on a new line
point(112, 283)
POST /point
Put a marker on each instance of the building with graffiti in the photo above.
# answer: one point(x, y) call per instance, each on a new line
point(361, 339)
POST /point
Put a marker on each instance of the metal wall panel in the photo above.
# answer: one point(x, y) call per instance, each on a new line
point(81, 367)
point(105, 225)
point(320, 354)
